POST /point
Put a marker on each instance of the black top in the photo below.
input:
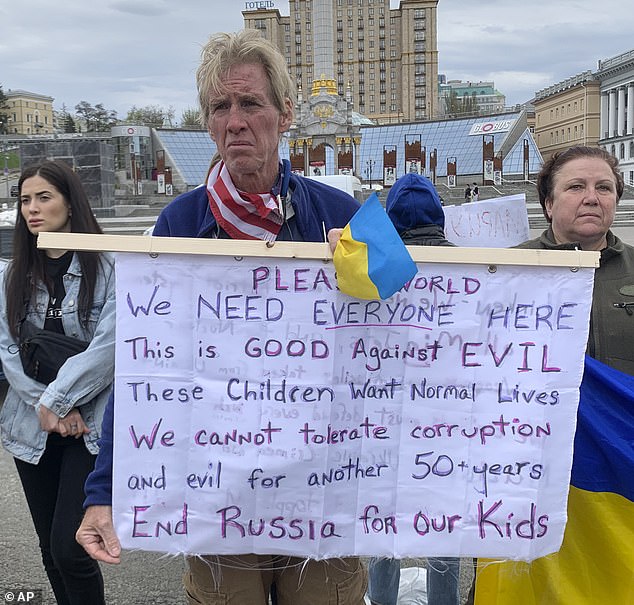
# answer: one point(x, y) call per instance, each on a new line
point(56, 268)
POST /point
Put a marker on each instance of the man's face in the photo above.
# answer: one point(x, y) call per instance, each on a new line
point(246, 127)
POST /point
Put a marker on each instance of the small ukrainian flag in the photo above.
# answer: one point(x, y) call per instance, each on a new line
point(370, 259)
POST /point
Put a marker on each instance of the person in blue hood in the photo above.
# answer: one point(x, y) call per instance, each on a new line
point(414, 208)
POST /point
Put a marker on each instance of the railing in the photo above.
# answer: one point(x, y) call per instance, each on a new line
point(614, 61)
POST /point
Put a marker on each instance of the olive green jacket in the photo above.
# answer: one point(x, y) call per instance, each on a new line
point(611, 339)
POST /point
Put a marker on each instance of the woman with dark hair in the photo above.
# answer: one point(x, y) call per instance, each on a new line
point(52, 429)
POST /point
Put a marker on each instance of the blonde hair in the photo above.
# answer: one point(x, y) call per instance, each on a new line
point(224, 50)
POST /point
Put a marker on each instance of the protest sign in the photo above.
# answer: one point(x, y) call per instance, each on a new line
point(259, 410)
point(492, 223)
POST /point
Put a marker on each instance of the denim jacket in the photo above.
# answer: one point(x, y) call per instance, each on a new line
point(83, 382)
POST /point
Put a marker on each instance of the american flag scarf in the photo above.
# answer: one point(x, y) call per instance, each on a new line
point(242, 215)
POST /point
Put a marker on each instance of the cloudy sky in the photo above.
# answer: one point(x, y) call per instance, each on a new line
point(145, 52)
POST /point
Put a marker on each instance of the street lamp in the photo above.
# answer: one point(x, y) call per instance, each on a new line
point(368, 171)
point(6, 173)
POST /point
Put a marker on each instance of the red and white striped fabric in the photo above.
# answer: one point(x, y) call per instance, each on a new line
point(242, 215)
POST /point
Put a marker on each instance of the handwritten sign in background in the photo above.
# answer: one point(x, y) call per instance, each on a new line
point(499, 222)
point(259, 410)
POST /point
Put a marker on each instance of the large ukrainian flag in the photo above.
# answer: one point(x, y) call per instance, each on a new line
point(595, 565)
point(371, 260)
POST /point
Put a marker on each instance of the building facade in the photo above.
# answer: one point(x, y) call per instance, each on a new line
point(617, 110)
point(385, 59)
point(91, 158)
point(29, 113)
point(567, 114)
point(463, 98)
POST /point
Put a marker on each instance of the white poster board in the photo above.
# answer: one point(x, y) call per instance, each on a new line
point(493, 223)
point(259, 410)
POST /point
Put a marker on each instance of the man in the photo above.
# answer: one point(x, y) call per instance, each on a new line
point(246, 100)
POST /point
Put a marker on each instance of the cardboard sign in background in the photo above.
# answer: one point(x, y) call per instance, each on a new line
point(499, 222)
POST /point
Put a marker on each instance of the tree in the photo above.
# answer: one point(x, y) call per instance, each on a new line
point(104, 118)
point(65, 120)
point(153, 116)
point(97, 118)
point(4, 112)
point(68, 124)
point(461, 106)
point(190, 118)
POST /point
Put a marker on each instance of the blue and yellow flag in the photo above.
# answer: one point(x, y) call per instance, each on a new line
point(370, 259)
point(595, 565)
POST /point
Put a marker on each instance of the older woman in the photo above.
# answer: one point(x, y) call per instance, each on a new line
point(579, 190)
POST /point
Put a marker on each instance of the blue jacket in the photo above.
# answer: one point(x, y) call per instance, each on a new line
point(83, 382)
point(316, 207)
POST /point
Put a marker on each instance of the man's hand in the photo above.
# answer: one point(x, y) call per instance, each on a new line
point(334, 235)
point(96, 534)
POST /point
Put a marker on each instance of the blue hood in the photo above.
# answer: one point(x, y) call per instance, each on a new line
point(414, 201)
